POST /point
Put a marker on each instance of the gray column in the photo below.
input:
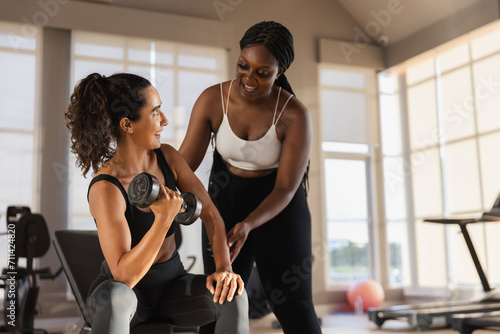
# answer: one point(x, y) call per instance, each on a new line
point(53, 141)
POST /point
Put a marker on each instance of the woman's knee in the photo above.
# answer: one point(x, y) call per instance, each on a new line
point(233, 317)
point(294, 309)
point(238, 305)
point(241, 301)
point(111, 296)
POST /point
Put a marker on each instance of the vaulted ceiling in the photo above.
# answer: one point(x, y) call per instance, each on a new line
point(397, 19)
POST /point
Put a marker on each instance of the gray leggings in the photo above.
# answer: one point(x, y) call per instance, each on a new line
point(167, 293)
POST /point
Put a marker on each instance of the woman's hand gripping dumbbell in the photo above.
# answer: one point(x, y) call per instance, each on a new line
point(144, 190)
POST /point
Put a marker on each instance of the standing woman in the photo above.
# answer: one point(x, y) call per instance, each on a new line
point(262, 144)
point(115, 126)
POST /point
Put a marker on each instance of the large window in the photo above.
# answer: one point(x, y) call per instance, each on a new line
point(440, 135)
point(180, 72)
point(347, 115)
point(18, 64)
point(395, 165)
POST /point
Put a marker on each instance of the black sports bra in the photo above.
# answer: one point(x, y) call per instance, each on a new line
point(140, 222)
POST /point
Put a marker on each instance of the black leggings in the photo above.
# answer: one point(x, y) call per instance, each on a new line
point(281, 248)
point(168, 293)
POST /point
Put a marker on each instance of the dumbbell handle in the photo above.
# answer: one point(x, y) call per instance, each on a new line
point(183, 207)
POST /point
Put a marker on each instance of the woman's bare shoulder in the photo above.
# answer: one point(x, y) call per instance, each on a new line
point(214, 92)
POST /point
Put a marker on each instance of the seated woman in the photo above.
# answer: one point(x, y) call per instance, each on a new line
point(115, 124)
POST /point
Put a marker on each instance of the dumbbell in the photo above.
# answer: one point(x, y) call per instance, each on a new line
point(144, 190)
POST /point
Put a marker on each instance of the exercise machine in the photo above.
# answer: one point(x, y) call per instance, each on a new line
point(469, 322)
point(423, 315)
point(28, 237)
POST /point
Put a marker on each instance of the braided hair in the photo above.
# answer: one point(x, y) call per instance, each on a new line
point(278, 40)
point(97, 105)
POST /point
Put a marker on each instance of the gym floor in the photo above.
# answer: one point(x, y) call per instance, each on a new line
point(342, 323)
point(348, 323)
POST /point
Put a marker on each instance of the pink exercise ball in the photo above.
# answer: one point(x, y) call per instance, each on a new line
point(371, 293)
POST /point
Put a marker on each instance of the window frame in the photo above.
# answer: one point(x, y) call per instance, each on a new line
point(376, 239)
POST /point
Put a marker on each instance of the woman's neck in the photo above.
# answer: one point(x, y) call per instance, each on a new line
point(130, 160)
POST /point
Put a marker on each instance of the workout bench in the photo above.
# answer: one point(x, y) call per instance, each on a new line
point(81, 257)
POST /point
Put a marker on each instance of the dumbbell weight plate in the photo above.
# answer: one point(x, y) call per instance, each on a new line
point(143, 190)
point(189, 216)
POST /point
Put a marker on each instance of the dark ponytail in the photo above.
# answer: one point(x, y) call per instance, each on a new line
point(283, 83)
point(97, 105)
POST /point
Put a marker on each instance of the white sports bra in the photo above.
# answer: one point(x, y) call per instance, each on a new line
point(263, 153)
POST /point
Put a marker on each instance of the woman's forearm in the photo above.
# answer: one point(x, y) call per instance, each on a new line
point(135, 263)
point(217, 237)
point(270, 207)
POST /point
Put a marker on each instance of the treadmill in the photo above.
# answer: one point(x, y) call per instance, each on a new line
point(424, 315)
point(467, 323)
